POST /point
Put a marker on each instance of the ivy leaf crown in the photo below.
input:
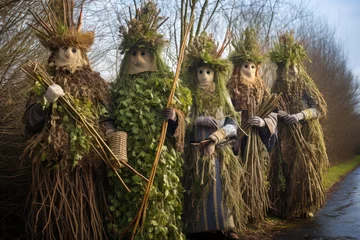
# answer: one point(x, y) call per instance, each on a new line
point(142, 30)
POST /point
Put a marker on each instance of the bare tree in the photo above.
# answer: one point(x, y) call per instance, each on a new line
point(329, 69)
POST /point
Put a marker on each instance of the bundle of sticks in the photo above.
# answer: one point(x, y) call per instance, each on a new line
point(305, 189)
point(255, 162)
point(37, 73)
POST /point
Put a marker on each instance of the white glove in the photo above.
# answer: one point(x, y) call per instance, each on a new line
point(257, 121)
point(282, 114)
point(294, 118)
point(53, 93)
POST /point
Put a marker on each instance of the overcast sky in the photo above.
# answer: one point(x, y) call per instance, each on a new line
point(344, 16)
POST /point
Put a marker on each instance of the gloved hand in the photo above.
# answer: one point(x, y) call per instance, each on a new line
point(210, 149)
point(109, 128)
point(53, 92)
point(294, 118)
point(109, 132)
point(217, 136)
point(257, 121)
point(282, 114)
point(207, 122)
point(169, 114)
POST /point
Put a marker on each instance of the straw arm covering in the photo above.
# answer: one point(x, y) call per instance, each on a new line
point(311, 111)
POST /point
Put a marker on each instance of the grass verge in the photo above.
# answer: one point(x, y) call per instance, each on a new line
point(337, 172)
point(272, 226)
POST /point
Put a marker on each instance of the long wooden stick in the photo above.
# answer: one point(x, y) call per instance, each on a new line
point(141, 211)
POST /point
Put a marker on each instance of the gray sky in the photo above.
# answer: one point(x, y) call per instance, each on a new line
point(344, 17)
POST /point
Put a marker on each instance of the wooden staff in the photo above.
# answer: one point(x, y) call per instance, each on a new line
point(141, 211)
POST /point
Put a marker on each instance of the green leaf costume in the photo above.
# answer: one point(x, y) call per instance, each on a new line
point(138, 101)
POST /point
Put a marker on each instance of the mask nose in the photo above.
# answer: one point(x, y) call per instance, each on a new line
point(68, 53)
point(139, 60)
point(293, 70)
point(246, 72)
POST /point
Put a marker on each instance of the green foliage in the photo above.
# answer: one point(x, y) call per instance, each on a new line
point(287, 51)
point(79, 139)
point(246, 49)
point(203, 51)
point(138, 106)
point(39, 90)
point(142, 30)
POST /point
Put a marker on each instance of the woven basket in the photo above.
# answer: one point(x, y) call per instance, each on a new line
point(118, 145)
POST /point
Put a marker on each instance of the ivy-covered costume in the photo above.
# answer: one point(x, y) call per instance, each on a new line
point(213, 181)
point(139, 98)
point(67, 198)
point(299, 158)
point(248, 91)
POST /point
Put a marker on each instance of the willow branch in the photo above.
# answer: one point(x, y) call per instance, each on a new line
point(203, 9)
point(142, 209)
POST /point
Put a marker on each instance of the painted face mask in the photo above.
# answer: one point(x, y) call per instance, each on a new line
point(69, 57)
point(293, 70)
point(141, 60)
point(205, 77)
point(248, 72)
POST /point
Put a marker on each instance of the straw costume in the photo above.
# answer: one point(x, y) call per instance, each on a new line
point(213, 175)
point(67, 198)
point(299, 159)
point(248, 92)
point(140, 97)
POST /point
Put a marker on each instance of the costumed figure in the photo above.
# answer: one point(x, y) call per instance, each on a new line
point(213, 174)
point(68, 200)
point(249, 94)
point(140, 96)
point(299, 158)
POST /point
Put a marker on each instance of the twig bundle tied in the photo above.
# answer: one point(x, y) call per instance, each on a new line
point(59, 29)
point(37, 72)
point(262, 111)
point(255, 193)
point(305, 190)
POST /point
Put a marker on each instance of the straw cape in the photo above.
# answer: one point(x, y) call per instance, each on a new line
point(299, 159)
point(253, 99)
point(213, 183)
point(67, 199)
point(138, 101)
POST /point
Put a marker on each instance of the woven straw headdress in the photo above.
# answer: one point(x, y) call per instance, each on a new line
point(59, 29)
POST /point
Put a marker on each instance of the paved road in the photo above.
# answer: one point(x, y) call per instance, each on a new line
point(340, 217)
